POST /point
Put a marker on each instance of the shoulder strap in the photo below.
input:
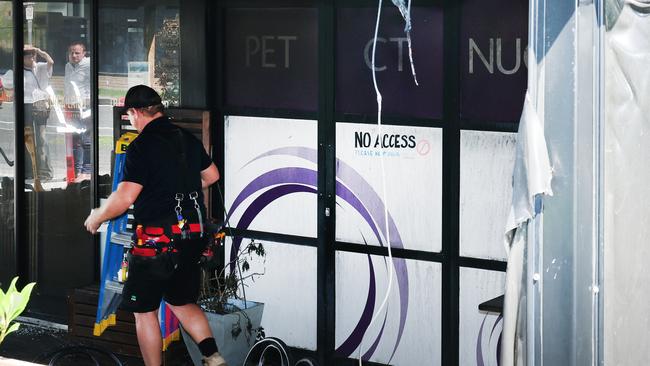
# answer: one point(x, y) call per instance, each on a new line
point(35, 78)
point(178, 140)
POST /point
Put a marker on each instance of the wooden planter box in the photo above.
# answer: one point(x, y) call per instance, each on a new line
point(120, 338)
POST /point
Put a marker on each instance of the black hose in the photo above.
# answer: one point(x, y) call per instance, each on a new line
point(307, 361)
point(269, 350)
point(81, 350)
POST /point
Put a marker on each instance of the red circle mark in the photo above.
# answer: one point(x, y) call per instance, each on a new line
point(423, 147)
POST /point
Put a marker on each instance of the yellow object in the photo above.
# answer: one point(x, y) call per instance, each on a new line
point(105, 323)
point(175, 336)
point(124, 141)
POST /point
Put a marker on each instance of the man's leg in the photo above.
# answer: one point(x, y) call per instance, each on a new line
point(86, 142)
point(149, 337)
point(42, 152)
point(196, 324)
point(77, 153)
point(183, 290)
point(193, 320)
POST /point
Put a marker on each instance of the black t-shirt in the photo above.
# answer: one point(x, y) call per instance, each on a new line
point(153, 160)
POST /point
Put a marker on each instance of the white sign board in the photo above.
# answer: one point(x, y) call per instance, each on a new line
point(409, 186)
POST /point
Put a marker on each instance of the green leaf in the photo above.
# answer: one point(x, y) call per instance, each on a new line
point(4, 300)
point(12, 286)
point(22, 299)
point(260, 250)
point(14, 327)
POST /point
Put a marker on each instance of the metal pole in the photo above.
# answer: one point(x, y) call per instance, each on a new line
point(29, 15)
point(19, 142)
point(94, 103)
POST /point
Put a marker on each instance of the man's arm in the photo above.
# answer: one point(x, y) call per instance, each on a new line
point(45, 56)
point(118, 202)
point(209, 176)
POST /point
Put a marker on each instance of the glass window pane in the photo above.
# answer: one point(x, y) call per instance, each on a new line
point(271, 58)
point(137, 44)
point(285, 294)
point(493, 59)
point(408, 330)
point(58, 165)
point(8, 259)
point(486, 163)
point(480, 331)
point(276, 174)
point(354, 87)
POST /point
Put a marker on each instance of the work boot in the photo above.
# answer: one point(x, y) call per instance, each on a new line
point(214, 360)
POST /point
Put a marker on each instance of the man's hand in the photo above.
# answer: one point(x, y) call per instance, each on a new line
point(93, 221)
point(46, 56)
point(116, 204)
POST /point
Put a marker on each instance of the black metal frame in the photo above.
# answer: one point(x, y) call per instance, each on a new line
point(451, 184)
point(20, 218)
point(451, 124)
point(326, 116)
point(94, 100)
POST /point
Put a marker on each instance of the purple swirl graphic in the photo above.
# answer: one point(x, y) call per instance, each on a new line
point(481, 360)
point(364, 200)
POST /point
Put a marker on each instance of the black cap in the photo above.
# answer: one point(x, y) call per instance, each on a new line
point(141, 96)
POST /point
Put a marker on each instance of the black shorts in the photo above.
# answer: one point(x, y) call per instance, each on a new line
point(142, 292)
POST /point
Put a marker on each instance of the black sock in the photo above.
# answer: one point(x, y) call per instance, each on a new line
point(208, 347)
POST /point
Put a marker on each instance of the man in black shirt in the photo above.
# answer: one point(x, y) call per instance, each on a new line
point(165, 170)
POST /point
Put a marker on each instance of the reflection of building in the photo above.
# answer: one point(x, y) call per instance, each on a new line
point(122, 40)
point(54, 31)
point(127, 35)
point(6, 37)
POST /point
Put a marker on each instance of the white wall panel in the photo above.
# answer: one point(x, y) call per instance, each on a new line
point(486, 163)
point(479, 331)
point(288, 290)
point(271, 174)
point(408, 331)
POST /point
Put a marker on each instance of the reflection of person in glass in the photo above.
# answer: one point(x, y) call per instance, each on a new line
point(77, 101)
point(37, 111)
point(165, 170)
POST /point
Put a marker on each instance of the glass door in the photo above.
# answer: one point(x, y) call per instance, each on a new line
point(8, 255)
point(58, 162)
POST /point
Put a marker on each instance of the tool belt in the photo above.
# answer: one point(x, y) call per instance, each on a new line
point(160, 266)
point(154, 251)
point(150, 241)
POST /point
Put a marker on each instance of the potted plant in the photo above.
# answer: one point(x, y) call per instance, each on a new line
point(12, 304)
point(233, 319)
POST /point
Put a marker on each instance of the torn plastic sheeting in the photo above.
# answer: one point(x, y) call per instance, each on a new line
point(405, 10)
point(532, 172)
point(531, 179)
point(406, 14)
point(626, 188)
